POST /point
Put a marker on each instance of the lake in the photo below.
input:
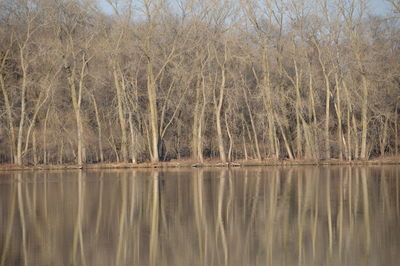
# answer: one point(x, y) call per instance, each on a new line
point(336, 215)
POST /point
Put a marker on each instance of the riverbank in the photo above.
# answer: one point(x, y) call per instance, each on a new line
point(206, 164)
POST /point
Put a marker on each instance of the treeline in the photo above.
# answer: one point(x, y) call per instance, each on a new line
point(161, 80)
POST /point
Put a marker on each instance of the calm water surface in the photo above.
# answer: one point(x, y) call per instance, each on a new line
point(251, 216)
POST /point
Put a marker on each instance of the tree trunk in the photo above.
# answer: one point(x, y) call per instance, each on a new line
point(287, 146)
point(196, 122)
point(384, 137)
point(120, 91)
point(112, 143)
point(77, 111)
point(201, 122)
point(349, 111)
point(246, 157)
point(10, 121)
point(22, 114)
point(76, 97)
point(151, 91)
point(253, 127)
point(37, 108)
point(45, 137)
point(339, 117)
point(220, 138)
point(60, 155)
point(133, 139)
point(79, 134)
point(299, 150)
point(99, 132)
point(230, 138)
point(396, 132)
point(327, 113)
point(313, 116)
point(327, 101)
point(364, 119)
point(218, 104)
point(34, 148)
point(312, 112)
point(348, 136)
point(267, 95)
point(356, 143)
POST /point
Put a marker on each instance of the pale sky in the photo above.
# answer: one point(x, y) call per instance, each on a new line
point(378, 7)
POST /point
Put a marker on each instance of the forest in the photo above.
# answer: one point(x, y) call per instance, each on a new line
point(86, 81)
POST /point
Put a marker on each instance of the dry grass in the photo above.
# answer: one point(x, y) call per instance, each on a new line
point(207, 163)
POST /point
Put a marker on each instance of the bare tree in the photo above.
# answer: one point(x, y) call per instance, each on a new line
point(161, 80)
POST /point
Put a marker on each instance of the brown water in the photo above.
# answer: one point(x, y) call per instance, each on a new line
point(251, 216)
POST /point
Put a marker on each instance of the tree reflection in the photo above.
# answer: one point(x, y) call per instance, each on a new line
point(253, 216)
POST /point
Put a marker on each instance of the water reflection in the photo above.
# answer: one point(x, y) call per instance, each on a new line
point(253, 216)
